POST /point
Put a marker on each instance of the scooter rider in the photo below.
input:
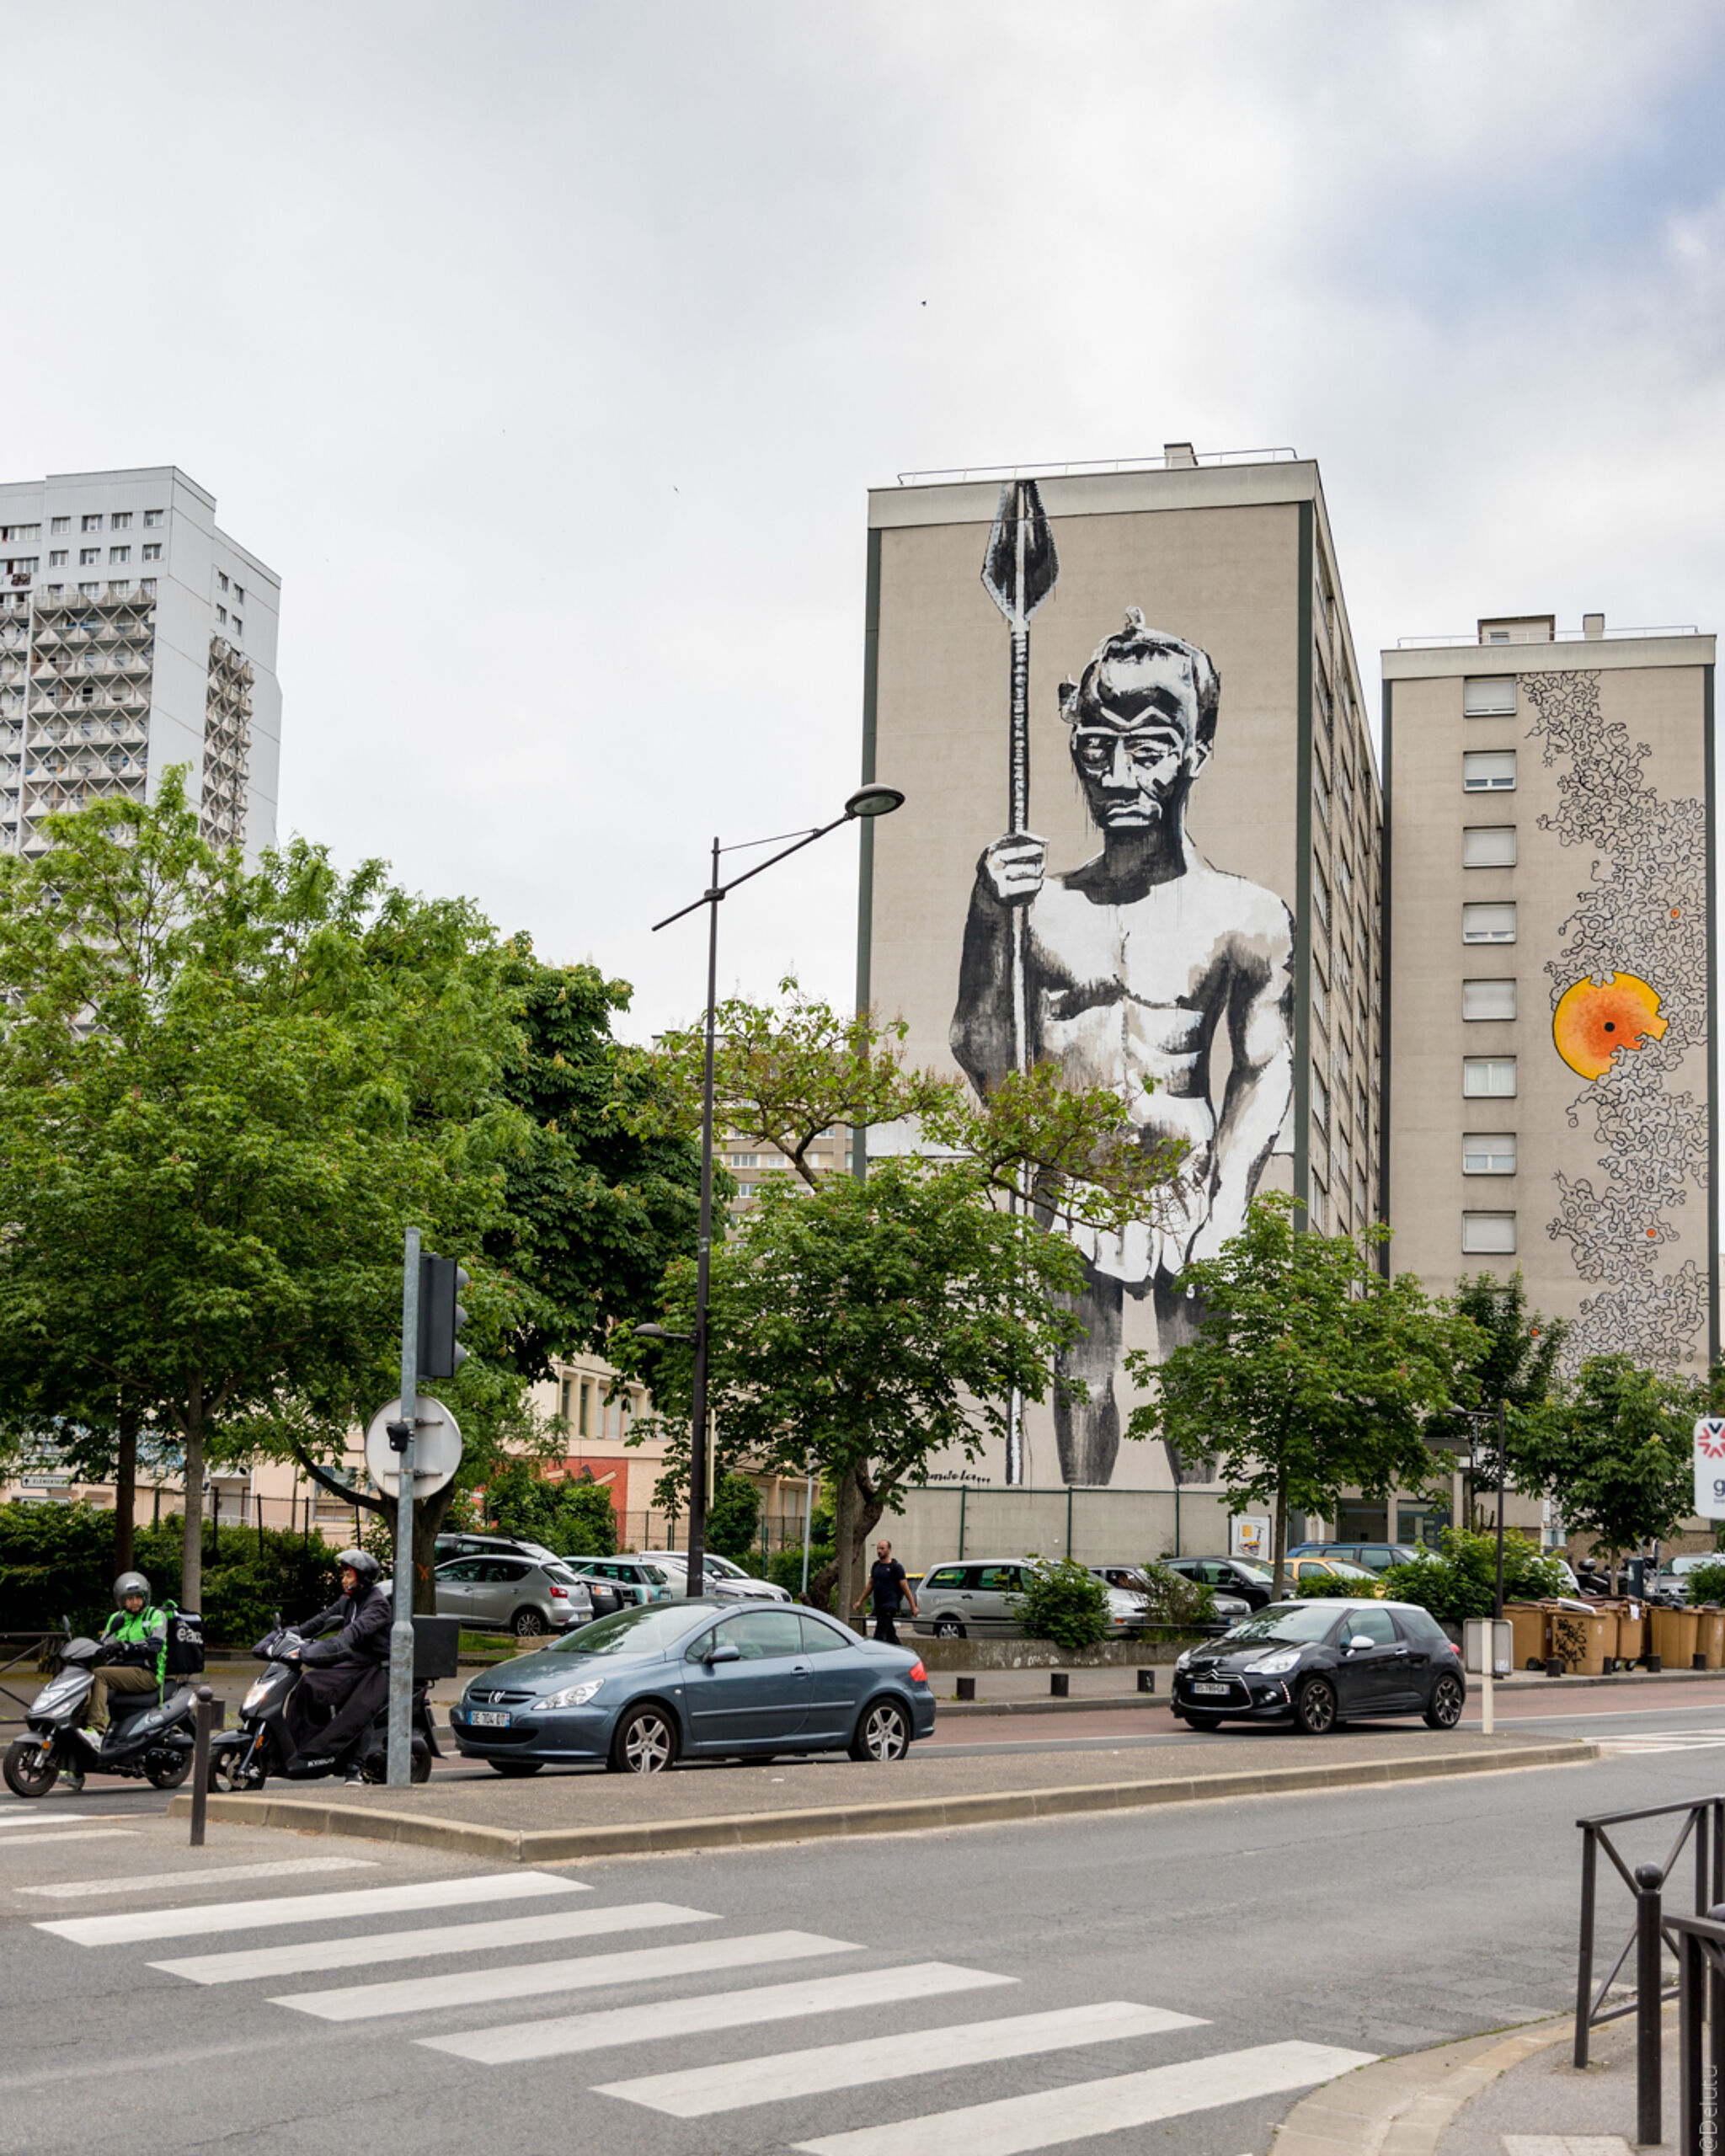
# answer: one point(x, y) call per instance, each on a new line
point(348, 1672)
point(134, 1648)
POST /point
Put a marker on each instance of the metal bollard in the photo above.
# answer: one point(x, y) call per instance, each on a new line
point(203, 1723)
point(1146, 1680)
point(1554, 1665)
point(1652, 1663)
point(967, 1688)
point(1649, 1880)
point(1059, 1684)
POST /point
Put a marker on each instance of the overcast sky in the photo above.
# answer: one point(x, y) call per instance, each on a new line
point(547, 352)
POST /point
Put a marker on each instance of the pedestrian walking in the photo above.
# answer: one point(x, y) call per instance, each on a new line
point(887, 1586)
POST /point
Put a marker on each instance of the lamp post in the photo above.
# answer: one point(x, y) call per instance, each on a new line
point(867, 801)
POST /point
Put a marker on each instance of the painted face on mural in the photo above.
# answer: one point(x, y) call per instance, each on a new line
point(1140, 735)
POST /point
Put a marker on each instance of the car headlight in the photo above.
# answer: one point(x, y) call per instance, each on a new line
point(1181, 1660)
point(1274, 1665)
point(572, 1695)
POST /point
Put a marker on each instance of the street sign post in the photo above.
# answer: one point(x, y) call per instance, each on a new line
point(1710, 1467)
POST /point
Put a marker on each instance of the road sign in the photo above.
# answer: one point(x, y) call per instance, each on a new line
point(1710, 1467)
point(437, 1448)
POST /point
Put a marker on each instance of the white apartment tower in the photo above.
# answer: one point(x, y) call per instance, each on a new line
point(135, 635)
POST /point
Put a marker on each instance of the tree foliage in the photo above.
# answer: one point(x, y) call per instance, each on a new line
point(734, 1516)
point(1310, 1374)
point(1460, 1581)
point(569, 1514)
point(1063, 1601)
point(1614, 1453)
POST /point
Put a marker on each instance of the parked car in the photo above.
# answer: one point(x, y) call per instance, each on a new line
point(1319, 1662)
point(695, 1679)
point(720, 1578)
point(460, 1545)
point(1374, 1556)
point(1334, 1568)
point(512, 1594)
point(637, 1579)
point(1242, 1578)
point(978, 1599)
point(1229, 1608)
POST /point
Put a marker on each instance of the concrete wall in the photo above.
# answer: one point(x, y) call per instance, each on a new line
point(1114, 1526)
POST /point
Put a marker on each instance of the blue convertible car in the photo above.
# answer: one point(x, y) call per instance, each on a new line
point(702, 1679)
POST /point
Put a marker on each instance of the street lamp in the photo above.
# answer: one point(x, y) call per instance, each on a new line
point(867, 801)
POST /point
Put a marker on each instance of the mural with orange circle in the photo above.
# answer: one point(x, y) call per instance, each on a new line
point(1594, 1019)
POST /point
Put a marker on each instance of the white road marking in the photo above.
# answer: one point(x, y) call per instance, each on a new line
point(306, 1954)
point(1664, 1740)
point(1018, 2124)
point(696, 2091)
point(1565, 2144)
point(308, 1908)
point(515, 2041)
point(77, 1834)
point(477, 1986)
point(219, 1875)
point(9, 1818)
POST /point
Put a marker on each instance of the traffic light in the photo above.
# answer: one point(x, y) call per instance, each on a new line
point(440, 1316)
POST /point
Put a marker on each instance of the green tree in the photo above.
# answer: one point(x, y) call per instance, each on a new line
point(1515, 1366)
point(569, 1514)
point(1310, 1374)
point(1063, 1601)
point(1614, 1453)
point(733, 1517)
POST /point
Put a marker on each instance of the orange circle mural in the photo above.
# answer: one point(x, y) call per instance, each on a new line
point(1594, 1019)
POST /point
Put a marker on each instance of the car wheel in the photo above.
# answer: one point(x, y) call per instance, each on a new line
point(1447, 1700)
point(883, 1734)
point(1315, 1709)
point(645, 1743)
point(949, 1628)
point(514, 1769)
point(528, 1624)
point(1200, 1721)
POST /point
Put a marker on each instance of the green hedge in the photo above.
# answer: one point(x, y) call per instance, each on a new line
point(58, 1561)
point(1064, 1602)
point(1461, 1583)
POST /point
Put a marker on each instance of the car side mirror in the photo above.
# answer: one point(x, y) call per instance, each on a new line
point(725, 1651)
point(1359, 1640)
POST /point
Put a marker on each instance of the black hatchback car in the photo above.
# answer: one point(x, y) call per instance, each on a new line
point(1319, 1663)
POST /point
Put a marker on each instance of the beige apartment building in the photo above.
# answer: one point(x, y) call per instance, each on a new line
point(1195, 858)
point(1550, 1094)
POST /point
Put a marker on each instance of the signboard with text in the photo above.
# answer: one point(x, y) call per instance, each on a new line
point(1710, 1467)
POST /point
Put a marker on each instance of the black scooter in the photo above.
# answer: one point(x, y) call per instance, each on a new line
point(242, 1760)
point(149, 1737)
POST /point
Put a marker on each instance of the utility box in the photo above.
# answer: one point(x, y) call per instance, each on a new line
point(1480, 1634)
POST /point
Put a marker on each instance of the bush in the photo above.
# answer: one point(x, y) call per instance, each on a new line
point(1707, 1582)
point(733, 1517)
point(571, 1514)
point(1173, 1599)
point(1461, 1583)
point(786, 1569)
point(1063, 1602)
point(1326, 1583)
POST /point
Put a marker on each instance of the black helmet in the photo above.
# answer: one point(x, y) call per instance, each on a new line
point(130, 1584)
point(360, 1561)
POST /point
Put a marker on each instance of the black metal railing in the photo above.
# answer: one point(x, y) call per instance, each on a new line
point(1651, 1933)
point(1700, 1993)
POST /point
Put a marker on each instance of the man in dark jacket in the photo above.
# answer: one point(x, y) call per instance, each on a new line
point(346, 1669)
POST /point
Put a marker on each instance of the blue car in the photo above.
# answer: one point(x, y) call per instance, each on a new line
point(700, 1680)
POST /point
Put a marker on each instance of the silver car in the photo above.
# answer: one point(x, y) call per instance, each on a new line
point(720, 1578)
point(512, 1594)
point(637, 1579)
point(978, 1600)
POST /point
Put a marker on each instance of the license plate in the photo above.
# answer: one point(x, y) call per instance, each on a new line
point(489, 1719)
point(1219, 1691)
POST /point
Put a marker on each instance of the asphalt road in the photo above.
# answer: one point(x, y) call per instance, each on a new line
point(1116, 1982)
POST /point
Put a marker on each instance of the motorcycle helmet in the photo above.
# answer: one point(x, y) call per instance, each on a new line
point(360, 1561)
point(130, 1584)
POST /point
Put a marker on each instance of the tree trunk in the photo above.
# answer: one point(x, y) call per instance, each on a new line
point(857, 1513)
point(125, 1490)
point(191, 1540)
point(429, 1516)
point(1278, 1542)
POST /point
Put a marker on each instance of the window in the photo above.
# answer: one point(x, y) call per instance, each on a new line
point(1488, 1235)
point(1488, 999)
point(118, 554)
point(1488, 770)
point(153, 519)
point(239, 594)
point(1318, 1209)
point(120, 521)
point(1488, 846)
point(745, 1160)
point(87, 556)
point(121, 590)
point(221, 580)
point(947, 1575)
point(1320, 893)
point(821, 1638)
point(20, 535)
point(88, 590)
point(60, 523)
point(1488, 1077)
point(1376, 1625)
point(56, 559)
point(1489, 696)
point(1489, 924)
point(152, 551)
point(222, 616)
point(91, 524)
point(1488, 1154)
point(1320, 792)
point(1320, 1099)
point(1318, 1004)
point(239, 626)
point(763, 1635)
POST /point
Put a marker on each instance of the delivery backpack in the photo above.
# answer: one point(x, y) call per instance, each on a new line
point(185, 1642)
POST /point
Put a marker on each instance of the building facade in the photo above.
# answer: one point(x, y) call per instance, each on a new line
point(135, 635)
point(1551, 1089)
point(1194, 855)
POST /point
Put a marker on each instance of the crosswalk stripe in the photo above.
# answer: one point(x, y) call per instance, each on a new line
point(308, 1908)
point(9, 1817)
point(1015, 2125)
point(475, 1987)
point(696, 2091)
point(512, 2041)
point(77, 1834)
point(219, 1875)
point(306, 1954)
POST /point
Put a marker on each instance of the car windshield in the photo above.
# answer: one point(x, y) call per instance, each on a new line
point(1343, 1570)
point(1258, 1574)
point(652, 1629)
point(1288, 1624)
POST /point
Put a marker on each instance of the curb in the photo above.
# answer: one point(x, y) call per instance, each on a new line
point(556, 1844)
point(1403, 2106)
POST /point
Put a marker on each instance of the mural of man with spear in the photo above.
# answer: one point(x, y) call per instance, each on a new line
point(1127, 971)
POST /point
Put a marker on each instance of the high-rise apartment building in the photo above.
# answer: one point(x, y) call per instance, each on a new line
point(1163, 868)
point(135, 635)
point(1550, 1092)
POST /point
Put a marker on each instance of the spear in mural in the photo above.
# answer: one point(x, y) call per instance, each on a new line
point(1018, 572)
